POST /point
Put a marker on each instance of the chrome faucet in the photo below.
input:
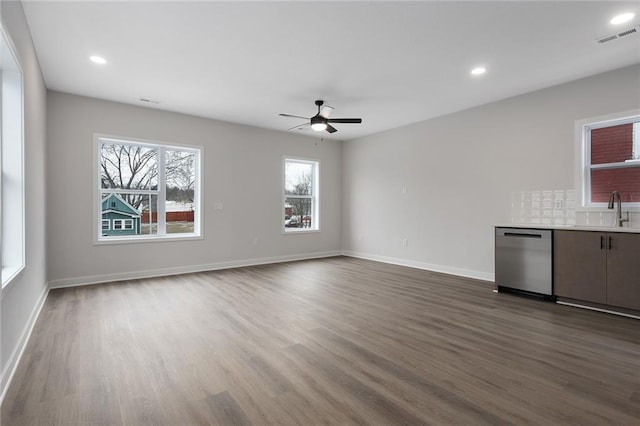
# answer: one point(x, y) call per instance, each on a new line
point(615, 196)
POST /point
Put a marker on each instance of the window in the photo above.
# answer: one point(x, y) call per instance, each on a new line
point(147, 190)
point(12, 219)
point(126, 224)
point(300, 195)
point(612, 161)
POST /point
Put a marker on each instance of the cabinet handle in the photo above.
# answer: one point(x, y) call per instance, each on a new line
point(601, 242)
point(610, 242)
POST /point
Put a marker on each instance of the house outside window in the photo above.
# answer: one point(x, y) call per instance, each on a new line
point(12, 207)
point(146, 190)
point(301, 195)
point(611, 161)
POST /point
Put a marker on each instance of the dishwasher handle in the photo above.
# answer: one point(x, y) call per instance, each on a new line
point(518, 234)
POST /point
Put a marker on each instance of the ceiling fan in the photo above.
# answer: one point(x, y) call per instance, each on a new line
point(321, 120)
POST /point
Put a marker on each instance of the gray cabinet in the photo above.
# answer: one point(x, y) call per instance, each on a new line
point(623, 270)
point(580, 266)
point(598, 267)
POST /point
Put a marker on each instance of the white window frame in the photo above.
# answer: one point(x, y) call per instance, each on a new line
point(12, 215)
point(583, 165)
point(315, 195)
point(108, 222)
point(160, 192)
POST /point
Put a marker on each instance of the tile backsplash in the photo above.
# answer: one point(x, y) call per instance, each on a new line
point(608, 218)
point(544, 207)
point(558, 207)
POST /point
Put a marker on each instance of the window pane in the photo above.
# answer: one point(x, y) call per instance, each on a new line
point(298, 212)
point(12, 227)
point(625, 180)
point(128, 167)
point(612, 144)
point(149, 219)
point(128, 214)
point(298, 178)
point(180, 190)
point(179, 217)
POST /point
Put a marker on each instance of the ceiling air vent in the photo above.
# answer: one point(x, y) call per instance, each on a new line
point(627, 32)
point(149, 101)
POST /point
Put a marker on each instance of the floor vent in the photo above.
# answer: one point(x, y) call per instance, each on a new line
point(627, 32)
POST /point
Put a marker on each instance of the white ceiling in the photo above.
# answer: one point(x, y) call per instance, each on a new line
point(391, 63)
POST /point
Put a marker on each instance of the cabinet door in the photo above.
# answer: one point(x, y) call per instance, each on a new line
point(579, 268)
point(623, 270)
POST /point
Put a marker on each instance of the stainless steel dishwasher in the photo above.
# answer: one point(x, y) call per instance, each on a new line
point(524, 261)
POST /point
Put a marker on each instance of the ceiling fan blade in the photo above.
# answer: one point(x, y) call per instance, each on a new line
point(326, 110)
point(293, 116)
point(300, 126)
point(331, 129)
point(345, 120)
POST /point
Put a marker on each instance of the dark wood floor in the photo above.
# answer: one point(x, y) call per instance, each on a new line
point(332, 341)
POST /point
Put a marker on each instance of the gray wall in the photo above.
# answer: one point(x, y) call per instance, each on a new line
point(22, 298)
point(459, 171)
point(242, 169)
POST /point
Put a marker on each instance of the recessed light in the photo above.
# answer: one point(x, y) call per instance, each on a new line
point(97, 60)
point(622, 18)
point(478, 71)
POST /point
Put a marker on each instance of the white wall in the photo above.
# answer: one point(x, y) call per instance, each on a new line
point(242, 169)
point(459, 171)
point(23, 297)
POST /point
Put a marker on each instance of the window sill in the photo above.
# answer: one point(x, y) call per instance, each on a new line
point(151, 239)
point(290, 231)
point(9, 275)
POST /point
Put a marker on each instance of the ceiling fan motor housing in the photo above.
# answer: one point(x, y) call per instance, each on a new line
point(318, 119)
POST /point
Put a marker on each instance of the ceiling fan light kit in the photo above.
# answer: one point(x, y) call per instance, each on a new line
point(318, 123)
point(321, 120)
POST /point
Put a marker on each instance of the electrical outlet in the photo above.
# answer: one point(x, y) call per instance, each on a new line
point(405, 242)
point(255, 241)
point(558, 204)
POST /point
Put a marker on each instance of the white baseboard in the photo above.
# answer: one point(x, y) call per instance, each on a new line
point(478, 275)
point(14, 359)
point(96, 279)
